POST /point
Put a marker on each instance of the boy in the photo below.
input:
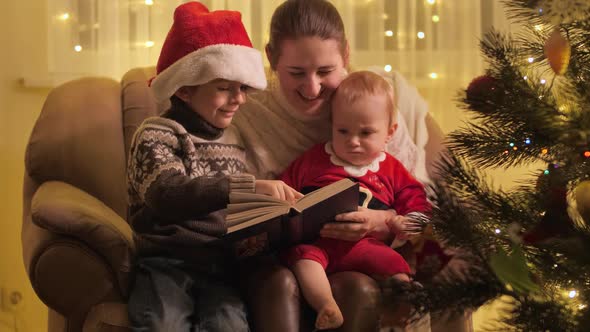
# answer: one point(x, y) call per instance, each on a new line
point(363, 114)
point(182, 167)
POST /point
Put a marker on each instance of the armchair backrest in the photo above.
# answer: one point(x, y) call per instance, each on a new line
point(83, 134)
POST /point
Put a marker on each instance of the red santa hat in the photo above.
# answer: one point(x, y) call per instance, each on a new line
point(202, 46)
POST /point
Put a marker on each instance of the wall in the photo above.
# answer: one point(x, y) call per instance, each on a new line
point(23, 40)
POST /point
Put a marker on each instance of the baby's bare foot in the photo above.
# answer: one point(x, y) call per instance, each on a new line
point(329, 317)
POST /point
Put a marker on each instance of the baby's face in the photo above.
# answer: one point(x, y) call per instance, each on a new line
point(216, 101)
point(360, 130)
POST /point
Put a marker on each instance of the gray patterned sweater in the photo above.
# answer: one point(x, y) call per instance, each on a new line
point(180, 173)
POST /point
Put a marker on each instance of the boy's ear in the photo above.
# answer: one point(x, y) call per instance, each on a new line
point(184, 93)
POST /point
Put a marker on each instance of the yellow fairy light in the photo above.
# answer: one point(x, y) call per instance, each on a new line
point(435, 18)
point(78, 48)
point(544, 151)
point(431, 2)
point(497, 231)
point(531, 60)
point(515, 148)
point(433, 75)
point(64, 16)
point(421, 35)
point(389, 33)
point(387, 68)
point(149, 43)
point(581, 306)
point(149, 2)
point(572, 294)
point(543, 81)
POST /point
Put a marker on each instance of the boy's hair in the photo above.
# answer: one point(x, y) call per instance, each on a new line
point(304, 18)
point(367, 83)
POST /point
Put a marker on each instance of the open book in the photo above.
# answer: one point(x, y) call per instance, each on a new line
point(281, 224)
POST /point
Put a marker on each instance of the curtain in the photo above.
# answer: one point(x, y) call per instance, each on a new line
point(433, 43)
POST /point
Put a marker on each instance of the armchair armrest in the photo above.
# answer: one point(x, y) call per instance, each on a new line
point(63, 209)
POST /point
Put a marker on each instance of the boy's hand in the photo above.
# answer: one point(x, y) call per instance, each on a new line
point(277, 189)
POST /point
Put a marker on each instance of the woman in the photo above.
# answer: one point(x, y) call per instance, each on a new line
point(308, 54)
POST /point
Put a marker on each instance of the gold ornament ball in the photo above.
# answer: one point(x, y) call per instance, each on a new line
point(557, 51)
point(582, 197)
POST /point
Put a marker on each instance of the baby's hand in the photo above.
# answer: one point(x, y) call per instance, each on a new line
point(277, 189)
point(398, 226)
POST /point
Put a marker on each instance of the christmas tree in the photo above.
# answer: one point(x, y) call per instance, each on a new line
point(531, 243)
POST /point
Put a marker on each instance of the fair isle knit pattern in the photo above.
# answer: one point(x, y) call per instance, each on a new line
point(162, 145)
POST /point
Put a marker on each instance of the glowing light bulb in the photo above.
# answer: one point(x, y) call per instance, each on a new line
point(435, 18)
point(544, 151)
point(539, 27)
point(546, 172)
point(149, 2)
point(572, 294)
point(389, 33)
point(78, 48)
point(421, 35)
point(527, 141)
point(531, 60)
point(431, 2)
point(149, 43)
point(387, 68)
point(64, 16)
point(543, 81)
point(526, 77)
point(587, 154)
point(497, 231)
point(433, 75)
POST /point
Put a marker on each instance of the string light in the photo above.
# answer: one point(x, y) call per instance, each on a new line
point(149, 44)
point(515, 148)
point(587, 154)
point(149, 2)
point(421, 35)
point(387, 68)
point(572, 294)
point(526, 77)
point(531, 60)
point(511, 144)
point(546, 172)
point(497, 231)
point(389, 33)
point(538, 27)
point(431, 2)
point(435, 18)
point(543, 81)
point(527, 141)
point(64, 16)
point(78, 48)
point(544, 151)
point(433, 75)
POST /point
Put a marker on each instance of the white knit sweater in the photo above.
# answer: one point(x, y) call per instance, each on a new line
point(275, 134)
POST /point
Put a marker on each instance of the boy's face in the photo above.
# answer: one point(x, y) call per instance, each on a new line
point(360, 130)
point(216, 101)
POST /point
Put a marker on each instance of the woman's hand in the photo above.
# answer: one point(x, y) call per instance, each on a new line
point(353, 226)
point(277, 189)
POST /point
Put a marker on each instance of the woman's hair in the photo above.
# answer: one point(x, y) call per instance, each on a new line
point(367, 83)
point(304, 18)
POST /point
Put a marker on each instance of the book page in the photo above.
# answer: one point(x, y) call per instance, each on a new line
point(322, 193)
point(248, 206)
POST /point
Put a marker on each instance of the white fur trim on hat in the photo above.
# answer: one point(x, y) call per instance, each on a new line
point(230, 62)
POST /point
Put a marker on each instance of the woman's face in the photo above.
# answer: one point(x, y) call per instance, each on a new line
point(309, 70)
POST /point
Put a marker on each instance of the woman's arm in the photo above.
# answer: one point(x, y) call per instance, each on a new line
point(353, 226)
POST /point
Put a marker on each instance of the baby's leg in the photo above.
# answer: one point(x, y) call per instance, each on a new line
point(316, 289)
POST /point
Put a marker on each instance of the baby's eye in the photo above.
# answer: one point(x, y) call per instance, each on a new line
point(342, 131)
point(366, 133)
point(223, 88)
point(245, 88)
point(324, 72)
point(297, 74)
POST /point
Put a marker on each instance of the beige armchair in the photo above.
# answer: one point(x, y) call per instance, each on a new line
point(77, 245)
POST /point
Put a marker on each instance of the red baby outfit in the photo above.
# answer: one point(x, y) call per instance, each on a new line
point(387, 185)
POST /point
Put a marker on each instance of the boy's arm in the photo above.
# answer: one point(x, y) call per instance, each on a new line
point(159, 177)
